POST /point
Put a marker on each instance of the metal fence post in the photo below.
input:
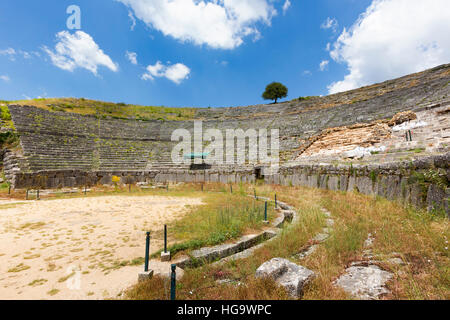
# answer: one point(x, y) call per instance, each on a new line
point(265, 212)
point(173, 282)
point(147, 250)
point(165, 238)
point(254, 191)
point(276, 205)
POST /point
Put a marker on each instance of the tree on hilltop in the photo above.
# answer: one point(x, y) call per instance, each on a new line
point(275, 91)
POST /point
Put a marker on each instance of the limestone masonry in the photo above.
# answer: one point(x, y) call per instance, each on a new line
point(354, 140)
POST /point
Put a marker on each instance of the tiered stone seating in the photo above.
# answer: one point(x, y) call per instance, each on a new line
point(430, 135)
point(58, 140)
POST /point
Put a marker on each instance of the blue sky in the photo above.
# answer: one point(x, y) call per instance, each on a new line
point(207, 61)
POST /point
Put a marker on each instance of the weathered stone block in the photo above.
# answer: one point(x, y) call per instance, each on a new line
point(365, 283)
point(365, 185)
point(165, 256)
point(287, 274)
point(343, 182)
point(437, 199)
point(333, 183)
point(144, 276)
point(351, 183)
point(312, 181)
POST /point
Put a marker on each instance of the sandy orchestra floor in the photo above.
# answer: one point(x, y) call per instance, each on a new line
point(76, 248)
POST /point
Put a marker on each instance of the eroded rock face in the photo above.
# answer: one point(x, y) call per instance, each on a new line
point(366, 283)
point(345, 139)
point(401, 117)
point(287, 274)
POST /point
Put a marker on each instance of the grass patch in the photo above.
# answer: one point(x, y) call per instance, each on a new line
point(112, 110)
point(37, 282)
point(417, 237)
point(10, 206)
point(33, 256)
point(64, 279)
point(32, 225)
point(201, 283)
point(53, 292)
point(19, 268)
point(224, 217)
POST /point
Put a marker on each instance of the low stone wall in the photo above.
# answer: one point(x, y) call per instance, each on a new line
point(422, 183)
point(77, 178)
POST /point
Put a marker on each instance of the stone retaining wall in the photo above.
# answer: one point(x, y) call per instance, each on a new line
point(422, 183)
point(77, 178)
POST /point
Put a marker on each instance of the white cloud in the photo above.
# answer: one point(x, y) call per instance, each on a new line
point(176, 73)
point(324, 65)
point(330, 23)
point(25, 54)
point(286, 6)
point(12, 54)
point(307, 73)
point(9, 51)
point(132, 57)
point(79, 50)
point(223, 63)
point(133, 20)
point(219, 24)
point(5, 78)
point(391, 39)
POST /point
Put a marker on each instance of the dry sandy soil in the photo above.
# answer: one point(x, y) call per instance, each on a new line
point(73, 248)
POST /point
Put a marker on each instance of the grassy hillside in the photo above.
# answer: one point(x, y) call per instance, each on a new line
point(420, 81)
point(109, 109)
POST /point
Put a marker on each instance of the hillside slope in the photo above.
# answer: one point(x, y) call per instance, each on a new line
point(68, 134)
point(423, 81)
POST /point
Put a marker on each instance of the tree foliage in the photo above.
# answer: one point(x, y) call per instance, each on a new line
point(275, 91)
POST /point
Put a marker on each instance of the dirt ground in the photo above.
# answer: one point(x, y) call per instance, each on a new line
point(79, 248)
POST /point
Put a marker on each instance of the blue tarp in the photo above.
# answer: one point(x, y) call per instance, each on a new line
point(196, 155)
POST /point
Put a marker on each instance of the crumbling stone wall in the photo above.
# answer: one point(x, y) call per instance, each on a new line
point(422, 183)
point(77, 178)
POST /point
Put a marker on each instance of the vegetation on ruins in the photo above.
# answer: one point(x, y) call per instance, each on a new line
point(418, 239)
point(8, 136)
point(415, 237)
point(305, 98)
point(104, 110)
point(115, 180)
point(224, 217)
point(275, 91)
